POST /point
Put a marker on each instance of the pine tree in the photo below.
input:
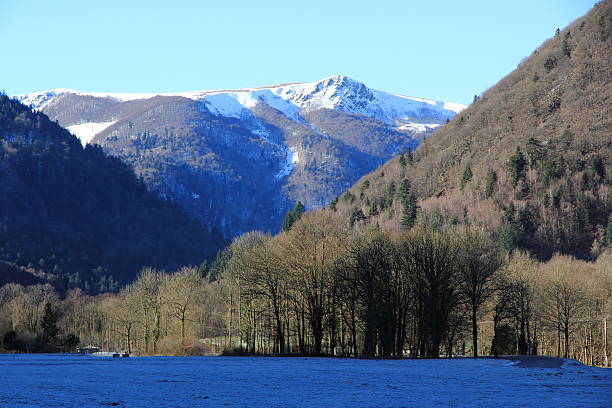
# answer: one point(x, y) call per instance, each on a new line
point(535, 152)
point(402, 160)
point(49, 322)
point(507, 238)
point(218, 266)
point(490, 183)
point(409, 211)
point(332, 205)
point(467, 176)
point(516, 167)
point(356, 215)
point(203, 269)
point(409, 204)
point(582, 212)
point(293, 215)
point(373, 210)
point(404, 190)
point(409, 156)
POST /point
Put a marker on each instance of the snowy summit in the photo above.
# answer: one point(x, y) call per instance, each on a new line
point(336, 92)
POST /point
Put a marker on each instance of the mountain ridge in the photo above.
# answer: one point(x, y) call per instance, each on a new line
point(37, 100)
point(238, 160)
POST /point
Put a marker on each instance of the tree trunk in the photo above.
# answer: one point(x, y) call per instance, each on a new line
point(474, 331)
point(605, 341)
point(129, 338)
point(494, 343)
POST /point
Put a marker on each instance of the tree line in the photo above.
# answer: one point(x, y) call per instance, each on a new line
point(323, 288)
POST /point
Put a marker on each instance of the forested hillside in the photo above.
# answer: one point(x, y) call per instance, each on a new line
point(238, 160)
point(74, 216)
point(529, 159)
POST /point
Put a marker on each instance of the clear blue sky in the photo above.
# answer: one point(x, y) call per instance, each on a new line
point(447, 50)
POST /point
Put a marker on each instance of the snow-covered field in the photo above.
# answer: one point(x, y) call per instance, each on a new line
point(85, 381)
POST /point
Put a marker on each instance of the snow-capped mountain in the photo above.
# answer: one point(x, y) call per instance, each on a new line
point(239, 158)
point(336, 93)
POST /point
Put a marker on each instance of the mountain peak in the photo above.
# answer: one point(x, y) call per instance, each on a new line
point(339, 79)
point(337, 92)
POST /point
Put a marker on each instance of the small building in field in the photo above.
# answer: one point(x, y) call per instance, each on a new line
point(89, 349)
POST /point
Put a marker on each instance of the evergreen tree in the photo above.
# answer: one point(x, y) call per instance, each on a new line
point(490, 183)
point(404, 190)
point(508, 213)
point(356, 215)
point(203, 269)
point(516, 167)
point(535, 152)
point(332, 205)
point(467, 176)
point(216, 269)
point(293, 215)
point(582, 212)
point(402, 160)
point(373, 210)
point(507, 238)
point(409, 156)
point(409, 204)
point(49, 322)
point(409, 211)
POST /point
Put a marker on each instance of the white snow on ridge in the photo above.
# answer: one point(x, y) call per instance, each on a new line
point(453, 106)
point(337, 92)
point(418, 127)
point(234, 104)
point(39, 100)
point(86, 131)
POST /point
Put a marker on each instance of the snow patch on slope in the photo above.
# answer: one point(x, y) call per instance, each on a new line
point(291, 159)
point(289, 156)
point(86, 131)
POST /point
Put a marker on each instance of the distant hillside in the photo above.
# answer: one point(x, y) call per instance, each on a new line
point(77, 217)
point(238, 160)
point(529, 159)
